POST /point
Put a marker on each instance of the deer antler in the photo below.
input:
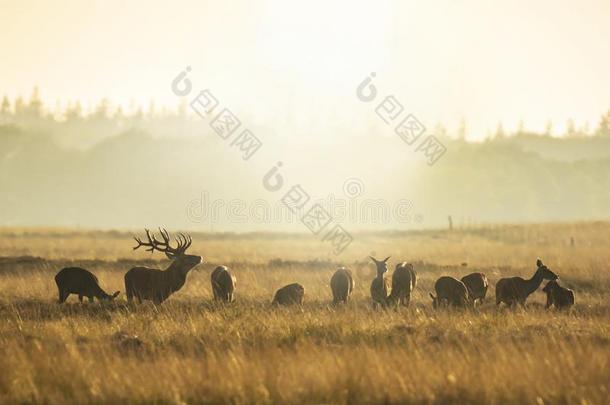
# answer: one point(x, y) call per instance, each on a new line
point(183, 243)
point(150, 244)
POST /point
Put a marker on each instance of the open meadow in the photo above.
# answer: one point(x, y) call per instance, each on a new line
point(192, 350)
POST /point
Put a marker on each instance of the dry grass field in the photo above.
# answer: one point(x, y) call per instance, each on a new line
point(190, 350)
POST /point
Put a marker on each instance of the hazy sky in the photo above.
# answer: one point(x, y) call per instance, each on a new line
point(294, 66)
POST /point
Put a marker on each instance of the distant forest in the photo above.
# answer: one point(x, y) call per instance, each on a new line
point(109, 169)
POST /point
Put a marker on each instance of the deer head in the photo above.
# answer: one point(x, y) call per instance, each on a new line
point(181, 261)
point(113, 296)
point(545, 272)
point(550, 286)
point(382, 265)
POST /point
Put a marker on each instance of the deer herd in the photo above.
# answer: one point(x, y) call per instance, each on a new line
point(143, 283)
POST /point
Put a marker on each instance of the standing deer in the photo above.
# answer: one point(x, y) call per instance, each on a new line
point(223, 284)
point(342, 285)
point(289, 295)
point(403, 283)
point(157, 285)
point(380, 285)
point(75, 280)
point(450, 292)
point(515, 290)
point(560, 297)
point(477, 285)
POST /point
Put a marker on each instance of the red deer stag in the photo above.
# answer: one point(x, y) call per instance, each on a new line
point(477, 285)
point(380, 285)
point(157, 285)
point(450, 292)
point(75, 280)
point(342, 285)
point(515, 290)
point(403, 283)
point(223, 284)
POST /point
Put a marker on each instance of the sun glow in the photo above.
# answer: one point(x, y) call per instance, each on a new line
point(320, 40)
point(290, 64)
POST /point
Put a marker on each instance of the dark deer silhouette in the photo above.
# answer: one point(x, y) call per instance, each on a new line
point(558, 296)
point(342, 285)
point(403, 283)
point(290, 294)
point(157, 285)
point(75, 280)
point(450, 292)
point(380, 285)
point(515, 290)
point(477, 285)
point(223, 284)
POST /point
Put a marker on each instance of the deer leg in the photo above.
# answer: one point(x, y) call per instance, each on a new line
point(136, 295)
point(63, 296)
point(80, 298)
point(90, 299)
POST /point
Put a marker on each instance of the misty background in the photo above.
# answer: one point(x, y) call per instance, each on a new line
point(517, 92)
point(108, 169)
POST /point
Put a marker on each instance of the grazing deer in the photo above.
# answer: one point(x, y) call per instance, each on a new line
point(75, 280)
point(450, 292)
point(157, 285)
point(477, 285)
point(515, 290)
point(560, 297)
point(380, 284)
point(223, 284)
point(289, 295)
point(342, 285)
point(403, 283)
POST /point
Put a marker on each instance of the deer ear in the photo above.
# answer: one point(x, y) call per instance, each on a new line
point(386, 259)
point(373, 259)
point(539, 263)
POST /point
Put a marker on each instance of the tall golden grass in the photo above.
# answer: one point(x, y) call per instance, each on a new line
point(191, 350)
